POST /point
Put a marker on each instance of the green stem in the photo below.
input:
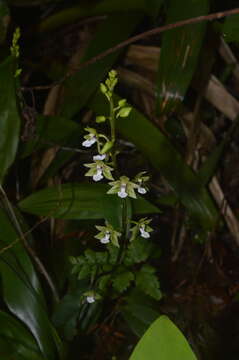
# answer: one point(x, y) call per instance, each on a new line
point(112, 129)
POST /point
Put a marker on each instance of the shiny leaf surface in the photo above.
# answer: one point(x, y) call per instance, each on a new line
point(80, 86)
point(15, 341)
point(21, 289)
point(81, 201)
point(164, 157)
point(164, 341)
point(9, 117)
point(179, 53)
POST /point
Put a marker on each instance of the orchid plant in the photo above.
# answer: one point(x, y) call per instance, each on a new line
point(104, 168)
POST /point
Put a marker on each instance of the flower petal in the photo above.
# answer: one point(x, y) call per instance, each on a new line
point(144, 233)
point(106, 238)
point(89, 142)
point(99, 157)
point(90, 299)
point(142, 190)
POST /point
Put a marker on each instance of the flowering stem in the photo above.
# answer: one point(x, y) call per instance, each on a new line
point(125, 226)
point(112, 129)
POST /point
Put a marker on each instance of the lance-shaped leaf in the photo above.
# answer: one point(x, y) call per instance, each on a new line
point(16, 342)
point(164, 157)
point(9, 117)
point(82, 201)
point(80, 86)
point(179, 53)
point(72, 14)
point(22, 291)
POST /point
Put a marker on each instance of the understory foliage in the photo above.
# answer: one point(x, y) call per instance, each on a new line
point(118, 180)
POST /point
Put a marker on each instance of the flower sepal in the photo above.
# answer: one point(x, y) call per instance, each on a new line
point(141, 228)
point(123, 188)
point(107, 235)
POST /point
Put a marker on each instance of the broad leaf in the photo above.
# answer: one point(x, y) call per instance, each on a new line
point(139, 311)
point(9, 117)
point(179, 53)
point(21, 289)
point(80, 86)
point(50, 131)
point(81, 201)
point(72, 14)
point(164, 157)
point(163, 341)
point(15, 341)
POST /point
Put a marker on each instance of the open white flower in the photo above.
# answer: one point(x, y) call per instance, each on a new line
point(140, 180)
point(90, 299)
point(89, 142)
point(106, 238)
point(99, 170)
point(123, 188)
point(143, 233)
point(108, 234)
point(141, 228)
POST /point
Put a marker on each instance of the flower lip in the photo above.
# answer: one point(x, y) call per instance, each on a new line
point(143, 233)
point(99, 157)
point(106, 238)
point(90, 299)
point(141, 190)
point(122, 193)
point(98, 176)
point(90, 141)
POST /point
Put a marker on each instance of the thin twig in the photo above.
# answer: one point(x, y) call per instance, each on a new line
point(133, 39)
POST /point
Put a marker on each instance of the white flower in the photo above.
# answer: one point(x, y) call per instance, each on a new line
point(122, 193)
point(99, 157)
point(90, 141)
point(141, 190)
point(106, 238)
point(98, 176)
point(144, 233)
point(90, 299)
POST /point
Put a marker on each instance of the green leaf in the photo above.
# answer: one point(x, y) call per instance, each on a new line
point(4, 21)
point(9, 117)
point(68, 310)
point(148, 282)
point(124, 112)
point(15, 341)
point(50, 131)
point(179, 53)
point(21, 289)
point(71, 15)
point(84, 271)
point(138, 251)
point(80, 86)
point(103, 282)
point(165, 158)
point(80, 201)
point(230, 29)
point(122, 281)
point(164, 341)
point(139, 317)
